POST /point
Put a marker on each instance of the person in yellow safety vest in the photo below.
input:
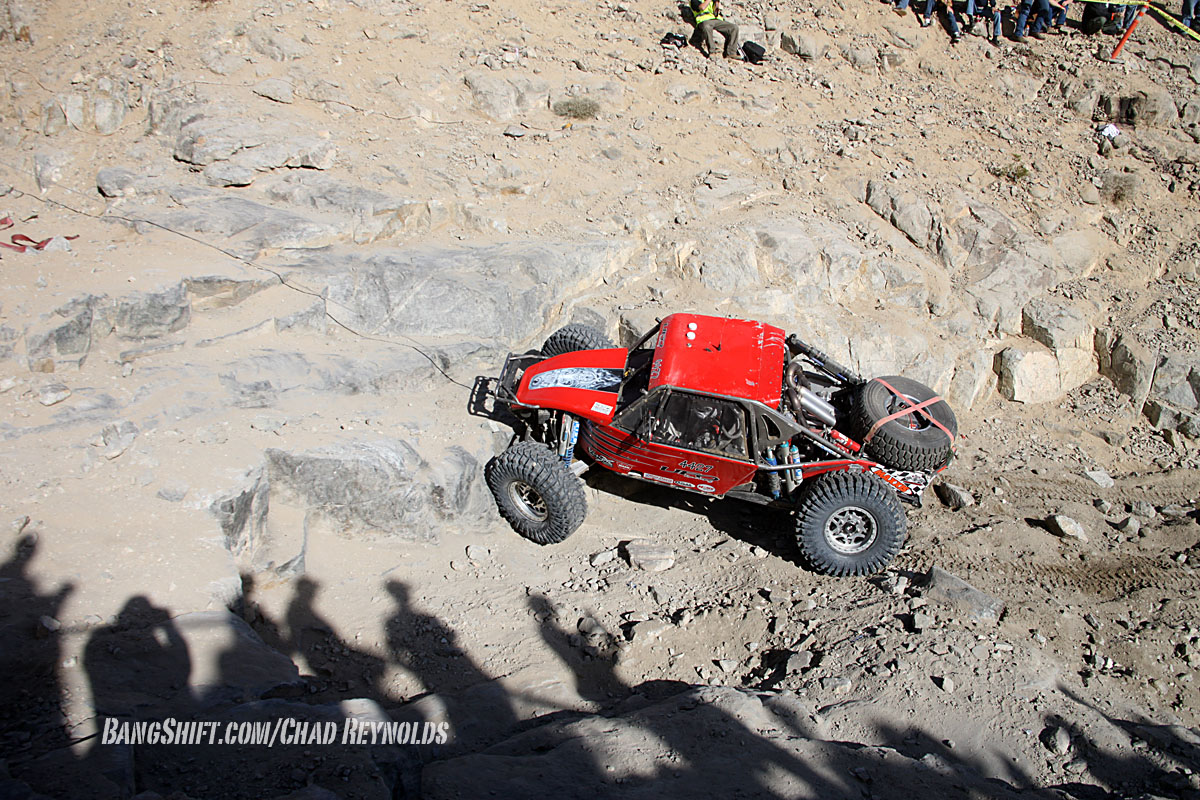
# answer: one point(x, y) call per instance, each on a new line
point(707, 16)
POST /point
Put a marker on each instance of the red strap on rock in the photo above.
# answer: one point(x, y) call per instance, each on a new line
point(21, 242)
point(911, 408)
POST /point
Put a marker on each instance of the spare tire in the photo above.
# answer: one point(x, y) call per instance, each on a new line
point(910, 441)
point(576, 336)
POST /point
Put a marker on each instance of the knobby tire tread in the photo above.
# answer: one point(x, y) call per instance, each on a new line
point(823, 497)
point(893, 445)
point(574, 337)
point(561, 489)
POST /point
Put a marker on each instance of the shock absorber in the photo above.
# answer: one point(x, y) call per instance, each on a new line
point(774, 484)
point(789, 480)
point(568, 435)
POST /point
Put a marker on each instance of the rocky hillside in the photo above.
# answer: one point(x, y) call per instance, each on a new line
point(271, 248)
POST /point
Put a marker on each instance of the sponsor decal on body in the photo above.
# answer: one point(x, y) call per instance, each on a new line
point(597, 379)
point(901, 480)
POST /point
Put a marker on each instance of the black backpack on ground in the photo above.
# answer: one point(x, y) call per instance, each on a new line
point(753, 52)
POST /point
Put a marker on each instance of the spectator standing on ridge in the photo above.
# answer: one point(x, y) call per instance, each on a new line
point(707, 16)
point(1188, 14)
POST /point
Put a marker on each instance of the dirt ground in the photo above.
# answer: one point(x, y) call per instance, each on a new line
point(1098, 638)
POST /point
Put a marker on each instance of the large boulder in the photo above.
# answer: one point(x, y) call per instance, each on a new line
point(149, 315)
point(1153, 107)
point(1028, 374)
point(1031, 373)
point(210, 135)
point(381, 489)
point(64, 335)
point(502, 98)
point(508, 293)
point(809, 45)
point(100, 108)
point(1174, 399)
point(1177, 381)
point(909, 213)
point(1131, 365)
point(1057, 325)
point(973, 378)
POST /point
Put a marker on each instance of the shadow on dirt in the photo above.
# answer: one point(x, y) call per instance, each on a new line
point(231, 671)
point(770, 528)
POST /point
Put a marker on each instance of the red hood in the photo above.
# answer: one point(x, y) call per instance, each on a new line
point(583, 383)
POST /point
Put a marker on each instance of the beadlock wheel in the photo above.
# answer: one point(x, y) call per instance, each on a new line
point(851, 530)
point(526, 499)
point(914, 422)
point(849, 523)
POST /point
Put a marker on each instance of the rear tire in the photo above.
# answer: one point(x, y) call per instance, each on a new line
point(536, 492)
point(909, 441)
point(849, 524)
point(571, 338)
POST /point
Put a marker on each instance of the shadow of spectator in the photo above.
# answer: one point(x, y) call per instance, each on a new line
point(707, 741)
point(139, 665)
point(1173, 770)
point(429, 649)
point(139, 668)
point(697, 761)
point(343, 670)
point(246, 606)
point(920, 744)
point(32, 720)
point(589, 654)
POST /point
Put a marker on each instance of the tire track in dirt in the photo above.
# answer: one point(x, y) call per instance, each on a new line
point(1175, 486)
point(1104, 577)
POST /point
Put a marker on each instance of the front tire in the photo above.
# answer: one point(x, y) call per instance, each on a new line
point(849, 524)
point(574, 337)
point(536, 492)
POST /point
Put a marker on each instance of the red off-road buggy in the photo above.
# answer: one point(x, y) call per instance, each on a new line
point(723, 408)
